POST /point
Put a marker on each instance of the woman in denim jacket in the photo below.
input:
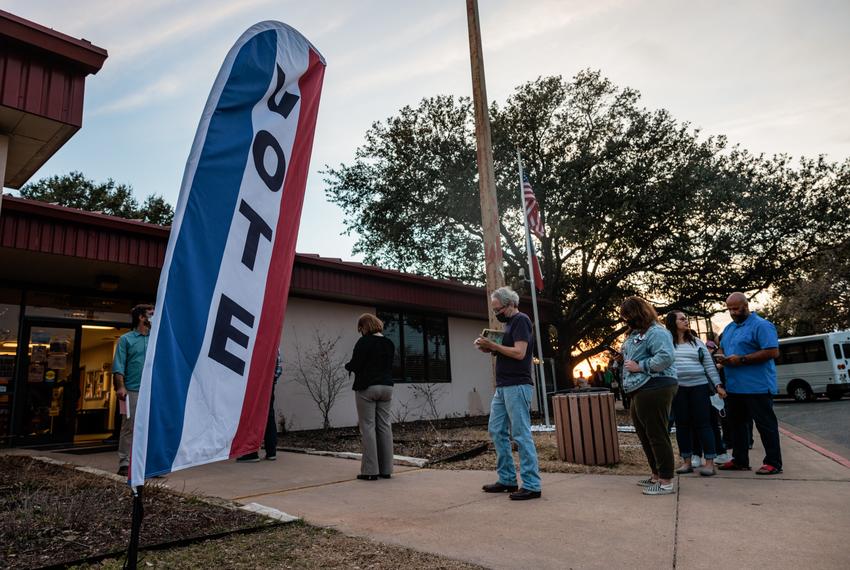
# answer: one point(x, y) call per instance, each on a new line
point(650, 379)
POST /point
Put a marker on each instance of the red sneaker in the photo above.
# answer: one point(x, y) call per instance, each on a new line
point(768, 470)
point(732, 466)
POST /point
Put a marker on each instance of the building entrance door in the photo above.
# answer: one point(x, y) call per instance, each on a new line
point(49, 380)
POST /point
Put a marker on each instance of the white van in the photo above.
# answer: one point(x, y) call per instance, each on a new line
point(810, 366)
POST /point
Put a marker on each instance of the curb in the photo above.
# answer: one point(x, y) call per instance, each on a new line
point(843, 461)
point(397, 459)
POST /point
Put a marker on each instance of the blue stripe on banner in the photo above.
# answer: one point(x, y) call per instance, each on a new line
point(200, 246)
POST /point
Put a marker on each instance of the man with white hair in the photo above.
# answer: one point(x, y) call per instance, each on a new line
point(749, 345)
point(510, 411)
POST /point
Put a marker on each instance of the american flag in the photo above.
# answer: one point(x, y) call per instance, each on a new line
point(535, 226)
point(532, 211)
point(535, 267)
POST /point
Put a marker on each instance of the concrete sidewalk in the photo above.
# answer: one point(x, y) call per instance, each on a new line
point(734, 520)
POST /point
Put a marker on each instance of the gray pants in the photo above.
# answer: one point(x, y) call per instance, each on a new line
point(376, 431)
point(125, 443)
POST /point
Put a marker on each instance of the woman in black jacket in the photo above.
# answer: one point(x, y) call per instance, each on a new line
point(372, 364)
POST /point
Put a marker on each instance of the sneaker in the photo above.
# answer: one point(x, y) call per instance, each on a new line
point(123, 470)
point(722, 458)
point(659, 489)
point(648, 482)
point(249, 458)
point(731, 466)
point(696, 461)
point(271, 457)
point(684, 469)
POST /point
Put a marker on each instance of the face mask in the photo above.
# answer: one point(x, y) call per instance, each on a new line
point(502, 318)
point(718, 404)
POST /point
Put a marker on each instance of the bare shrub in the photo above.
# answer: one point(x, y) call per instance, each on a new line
point(321, 371)
point(401, 411)
point(429, 395)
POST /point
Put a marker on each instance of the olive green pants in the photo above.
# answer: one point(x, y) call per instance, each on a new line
point(651, 417)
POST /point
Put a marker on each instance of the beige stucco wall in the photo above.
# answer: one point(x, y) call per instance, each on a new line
point(468, 393)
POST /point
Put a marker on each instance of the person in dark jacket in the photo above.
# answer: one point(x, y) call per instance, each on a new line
point(372, 364)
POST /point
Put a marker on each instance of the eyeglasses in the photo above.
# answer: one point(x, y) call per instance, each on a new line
point(499, 310)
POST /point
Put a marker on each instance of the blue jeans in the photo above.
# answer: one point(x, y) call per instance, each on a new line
point(692, 409)
point(510, 417)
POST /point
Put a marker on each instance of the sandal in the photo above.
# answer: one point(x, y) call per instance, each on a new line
point(732, 466)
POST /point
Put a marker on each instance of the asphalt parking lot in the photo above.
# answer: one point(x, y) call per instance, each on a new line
point(824, 422)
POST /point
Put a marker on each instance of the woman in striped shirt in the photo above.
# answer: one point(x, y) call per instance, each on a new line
point(692, 404)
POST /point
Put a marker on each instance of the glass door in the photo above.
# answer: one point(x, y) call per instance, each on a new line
point(48, 383)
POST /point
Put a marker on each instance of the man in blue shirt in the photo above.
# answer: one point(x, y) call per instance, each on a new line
point(510, 410)
point(749, 345)
point(127, 368)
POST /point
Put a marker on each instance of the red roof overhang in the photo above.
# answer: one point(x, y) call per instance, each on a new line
point(32, 226)
point(42, 81)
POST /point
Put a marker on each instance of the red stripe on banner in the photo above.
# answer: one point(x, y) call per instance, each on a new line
point(255, 407)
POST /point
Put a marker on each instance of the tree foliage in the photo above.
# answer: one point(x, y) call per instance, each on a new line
point(633, 202)
point(815, 299)
point(76, 191)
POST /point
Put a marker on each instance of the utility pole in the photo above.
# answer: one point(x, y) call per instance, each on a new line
point(486, 175)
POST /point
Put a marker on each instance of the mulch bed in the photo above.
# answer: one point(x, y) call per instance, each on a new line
point(293, 545)
point(50, 514)
point(432, 440)
point(440, 441)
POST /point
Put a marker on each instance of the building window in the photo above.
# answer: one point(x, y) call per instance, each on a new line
point(421, 346)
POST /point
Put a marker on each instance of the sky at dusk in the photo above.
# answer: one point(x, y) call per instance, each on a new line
point(774, 76)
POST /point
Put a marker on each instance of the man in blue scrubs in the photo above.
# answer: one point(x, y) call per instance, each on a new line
point(749, 345)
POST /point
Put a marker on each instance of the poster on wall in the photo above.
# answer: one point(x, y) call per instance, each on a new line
point(39, 354)
point(57, 360)
point(35, 372)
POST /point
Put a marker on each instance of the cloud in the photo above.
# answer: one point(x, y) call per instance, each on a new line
point(180, 28)
point(159, 90)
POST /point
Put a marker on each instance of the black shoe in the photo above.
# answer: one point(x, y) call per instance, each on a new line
point(123, 470)
point(271, 457)
point(368, 477)
point(524, 495)
point(249, 458)
point(499, 488)
point(385, 476)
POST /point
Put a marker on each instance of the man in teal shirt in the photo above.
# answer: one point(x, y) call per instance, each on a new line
point(127, 376)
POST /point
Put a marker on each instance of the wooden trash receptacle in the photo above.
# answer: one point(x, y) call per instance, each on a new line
point(586, 428)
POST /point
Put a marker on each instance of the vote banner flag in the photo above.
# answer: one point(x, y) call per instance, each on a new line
point(222, 293)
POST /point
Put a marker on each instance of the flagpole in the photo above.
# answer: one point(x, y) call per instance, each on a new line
point(135, 529)
point(540, 368)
